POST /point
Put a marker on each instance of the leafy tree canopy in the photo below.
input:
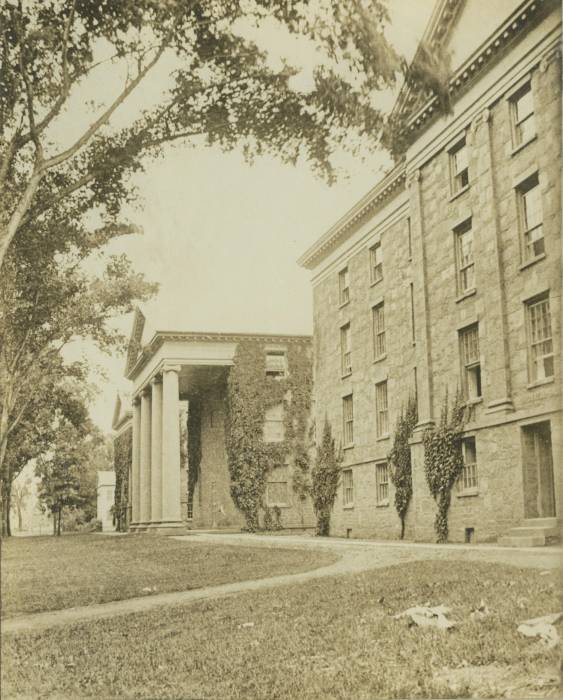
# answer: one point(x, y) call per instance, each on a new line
point(223, 89)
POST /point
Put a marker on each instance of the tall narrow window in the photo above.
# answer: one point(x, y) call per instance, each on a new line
point(468, 478)
point(344, 286)
point(464, 255)
point(531, 216)
point(347, 487)
point(378, 319)
point(381, 409)
point(409, 234)
point(276, 364)
point(540, 339)
point(459, 166)
point(376, 262)
point(523, 121)
point(413, 326)
point(273, 424)
point(346, 349)
point(382, 483)
point(348, 420)
point(470, 360)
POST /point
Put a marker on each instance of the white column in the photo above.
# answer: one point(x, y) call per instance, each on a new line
point(156, 451)
point(135, 485)
point(171, 510)
point(145, 480)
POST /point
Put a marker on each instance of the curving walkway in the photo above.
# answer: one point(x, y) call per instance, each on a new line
point(355, 556)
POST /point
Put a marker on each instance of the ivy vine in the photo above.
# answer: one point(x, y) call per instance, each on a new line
point(443, 460)
point(250, 393)
point(400, 468)
point(122, 459)
point(325, 478)
point(194, 444)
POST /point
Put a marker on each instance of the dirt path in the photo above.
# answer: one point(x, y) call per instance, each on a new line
point(355, 556)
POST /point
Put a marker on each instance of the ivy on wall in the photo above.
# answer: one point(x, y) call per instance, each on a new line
point(443, 460)
point(250, 393)
point(194, 444)
point(122, 459)
point(325, 479)
point(400, 460)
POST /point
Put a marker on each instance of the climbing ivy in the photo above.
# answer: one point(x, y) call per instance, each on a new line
point(325, 478)
point(400, 460)
point(122, 458)
point(194, 445)
point(250, 393)
point(443, 460)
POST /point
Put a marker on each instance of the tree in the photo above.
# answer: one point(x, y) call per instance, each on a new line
point(64, 470)
point(48, 300)
point(400, 460)
point(325, 477)
point(224, 90)
point(20, 493)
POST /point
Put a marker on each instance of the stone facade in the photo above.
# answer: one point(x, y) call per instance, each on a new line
point(412, 221)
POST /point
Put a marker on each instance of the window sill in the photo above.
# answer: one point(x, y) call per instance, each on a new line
point(526, 264)
point(346, 374)
point(457, 194)
point(541, 382)
point(464, 295)
point(374, 282)
point(348, 447)
point(380, 358)
point(468, 493)
point(343, 304)
point(522, 145)
point(474, 402)
point(383, 504)
point(278, 505)
point(382, 437)
point(350, 506)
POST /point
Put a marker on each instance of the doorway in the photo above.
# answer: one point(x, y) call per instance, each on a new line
point(539, 489)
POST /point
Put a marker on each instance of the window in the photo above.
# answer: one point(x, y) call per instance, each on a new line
point(530, 206)
point(376, 262)
point(523, 121)
point(273, 424)
point(470, 360)
point(344, 286)
point(464, 257)
point(540, 339)
point(276, 493)
point(190, 508)
point(382, 483)
point(346, 349)
point(378, 320)
point(381, 409)
point(459, 166)
point(468, 478)
point(409, 234)
point(347, 487)
point(276, 364)
point(348, 420)
point(413, 327)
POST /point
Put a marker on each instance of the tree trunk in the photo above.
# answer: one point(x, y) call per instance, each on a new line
point(60, 514)
point(6, 525)
point(20, 516)
point(402, 528)
point(54, 514)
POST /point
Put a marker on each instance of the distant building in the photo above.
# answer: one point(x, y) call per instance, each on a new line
point(170, 372)
point(448, 274)
point(27, 516)
point(105, 499)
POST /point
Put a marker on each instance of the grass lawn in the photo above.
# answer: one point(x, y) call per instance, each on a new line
point(330, 638)
point(50, 573)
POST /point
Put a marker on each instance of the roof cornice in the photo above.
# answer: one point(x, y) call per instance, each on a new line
point(160, 337)
point(374, 200)
point(529, 12)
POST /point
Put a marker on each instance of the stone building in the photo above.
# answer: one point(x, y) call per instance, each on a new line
point(170, 373)
point(105, 496)
point(447, 274)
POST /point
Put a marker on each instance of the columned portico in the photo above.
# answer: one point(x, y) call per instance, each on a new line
point(145, 442)
point(171, 512)
point(156, 451)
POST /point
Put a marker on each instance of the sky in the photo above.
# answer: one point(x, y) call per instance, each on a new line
point(222, 237)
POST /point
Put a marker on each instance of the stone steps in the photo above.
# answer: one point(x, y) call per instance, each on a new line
point(536, 532)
